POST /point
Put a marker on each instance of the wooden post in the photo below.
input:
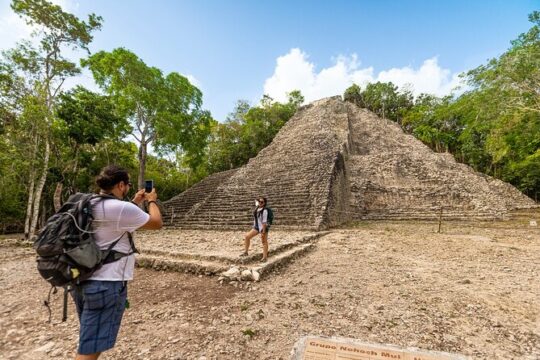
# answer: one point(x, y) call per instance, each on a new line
point(440, 220)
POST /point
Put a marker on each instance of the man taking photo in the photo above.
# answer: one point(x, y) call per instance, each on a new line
point(102, 299)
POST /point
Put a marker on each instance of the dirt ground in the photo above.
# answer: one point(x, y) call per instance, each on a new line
point(474, 289)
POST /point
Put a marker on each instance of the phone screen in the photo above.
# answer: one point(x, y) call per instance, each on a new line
point(148, 185)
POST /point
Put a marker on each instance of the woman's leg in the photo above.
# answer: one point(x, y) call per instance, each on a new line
point(252, 233)
point(264, 238)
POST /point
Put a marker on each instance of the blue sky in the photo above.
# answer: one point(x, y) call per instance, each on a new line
point(241, 49)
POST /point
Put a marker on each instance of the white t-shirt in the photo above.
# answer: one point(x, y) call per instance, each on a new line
point(261, 219)
point(112, 218)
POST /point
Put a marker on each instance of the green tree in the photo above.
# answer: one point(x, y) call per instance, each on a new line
point(226, 149)
point(165, 111)
point(435, 122)
point(39, 73)
point(248, 130)
point(506, 110)
point(86, 123)
point(515, 74)
point(384, 99)
point(353, 94)
point(12, 175)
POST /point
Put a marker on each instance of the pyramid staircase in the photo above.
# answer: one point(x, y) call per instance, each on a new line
point(178, 207)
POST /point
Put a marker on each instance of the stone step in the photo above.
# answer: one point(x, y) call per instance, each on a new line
point(230, 213)
point(193, 266)
point(220, 215)
point(227, 222)
point(246, 221)
point(217, 265)
point(249, 206)
point(431, 216)
point(301, 218)
point(251, 196)
point(228, 260)
point(226, 226)
point(200, 224)
point(210, 215)
point(272, 199)
point(264, 269)
point(246, 207)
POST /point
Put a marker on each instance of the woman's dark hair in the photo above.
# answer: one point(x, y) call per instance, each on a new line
point(110, 176)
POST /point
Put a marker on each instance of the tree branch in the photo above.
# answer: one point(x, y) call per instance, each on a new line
point(58, 88)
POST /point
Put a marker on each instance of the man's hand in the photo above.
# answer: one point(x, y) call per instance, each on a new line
point(151, 196)
point(155, 222)
point(139, 197)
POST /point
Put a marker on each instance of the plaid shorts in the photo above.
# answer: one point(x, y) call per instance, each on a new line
point(100, 306)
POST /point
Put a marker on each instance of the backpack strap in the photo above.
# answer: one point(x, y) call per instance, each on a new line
point(260, 214)
point(111, 255)
point(132, 243)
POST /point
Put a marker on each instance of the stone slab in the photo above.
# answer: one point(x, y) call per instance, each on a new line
point(221, 246)
point(254, 272)
point(216, 252)
point(321, 348)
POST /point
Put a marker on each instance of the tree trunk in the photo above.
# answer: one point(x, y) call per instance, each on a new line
point(42, 216)
point(29, 205)
point(58, 196)
point(31, 188)
point(142, 164)
point(39, 189)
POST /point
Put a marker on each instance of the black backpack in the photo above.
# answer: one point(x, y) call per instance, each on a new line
point(67, 252)
point(270, 215)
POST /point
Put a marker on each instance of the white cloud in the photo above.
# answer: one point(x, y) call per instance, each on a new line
point(429, 78)
point(294, 71)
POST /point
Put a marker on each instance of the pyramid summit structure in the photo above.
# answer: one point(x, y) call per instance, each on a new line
point(334, 162)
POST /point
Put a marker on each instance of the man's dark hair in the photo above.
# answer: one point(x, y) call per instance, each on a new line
point(110, 176)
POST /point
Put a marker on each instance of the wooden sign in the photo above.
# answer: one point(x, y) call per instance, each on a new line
point(319, 348)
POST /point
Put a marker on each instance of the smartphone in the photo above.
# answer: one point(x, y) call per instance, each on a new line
point(148, 185)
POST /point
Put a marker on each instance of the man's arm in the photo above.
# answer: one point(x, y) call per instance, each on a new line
point(154, 222)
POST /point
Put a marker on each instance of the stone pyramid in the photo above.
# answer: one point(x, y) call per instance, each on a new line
point(334, 162)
